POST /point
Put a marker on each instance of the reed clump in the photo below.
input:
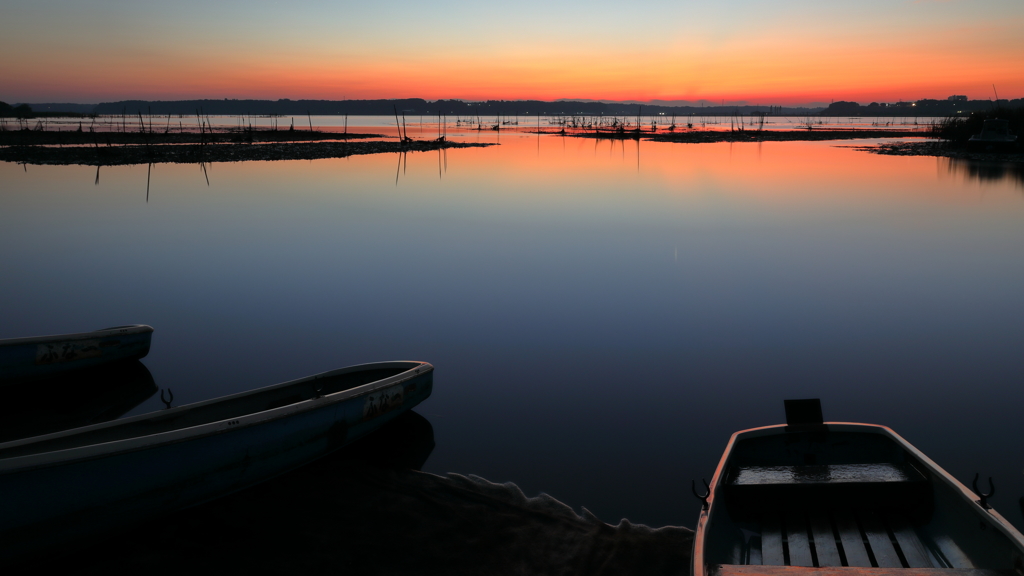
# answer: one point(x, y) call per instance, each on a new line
point(957, 130)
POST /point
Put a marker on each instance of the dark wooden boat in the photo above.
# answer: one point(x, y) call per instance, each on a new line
point(63, 486)
point(24, 359)
point(814, 498)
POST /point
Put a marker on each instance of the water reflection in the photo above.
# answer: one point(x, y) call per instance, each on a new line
point(328, 505)
point(367, 509)
point(403, 444)
point(72, 400)
point(601, 330)
point(988, 172)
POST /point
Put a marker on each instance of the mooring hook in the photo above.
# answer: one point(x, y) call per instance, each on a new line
point(704, 498)
point(166, 401)
point(983, 498)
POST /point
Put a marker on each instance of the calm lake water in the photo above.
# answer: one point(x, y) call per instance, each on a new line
point(602, 315)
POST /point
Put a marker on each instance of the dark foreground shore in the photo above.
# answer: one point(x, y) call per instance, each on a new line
point(367, 510)
point(118, 148)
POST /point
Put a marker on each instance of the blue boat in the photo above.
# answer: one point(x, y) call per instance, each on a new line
point(62, 486)
point(23, 359)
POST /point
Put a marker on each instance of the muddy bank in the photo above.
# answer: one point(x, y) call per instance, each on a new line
point(367, 510)
point(945, 150)
point(706, 137)
point(106, 155)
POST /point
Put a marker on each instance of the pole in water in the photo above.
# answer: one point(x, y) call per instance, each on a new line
point(398, 124)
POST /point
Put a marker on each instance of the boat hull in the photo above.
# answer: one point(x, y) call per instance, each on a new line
point(26, 359)
point(43, 505)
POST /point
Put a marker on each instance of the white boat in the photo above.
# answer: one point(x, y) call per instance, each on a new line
point(62, 486)
point(23, 359)
point(830, 499)
point(995, 135)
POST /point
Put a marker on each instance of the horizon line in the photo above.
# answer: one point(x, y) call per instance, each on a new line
point(654, 101)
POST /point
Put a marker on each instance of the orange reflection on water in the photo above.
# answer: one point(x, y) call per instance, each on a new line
point(562, 175)
point(777, 172)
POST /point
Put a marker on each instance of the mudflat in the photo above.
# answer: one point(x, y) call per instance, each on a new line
point(121, 148)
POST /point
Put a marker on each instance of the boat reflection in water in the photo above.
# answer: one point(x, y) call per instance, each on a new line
point(990, 172)
point(404, 444)
point(366, 510)
point(331, 503)
point(74, 399)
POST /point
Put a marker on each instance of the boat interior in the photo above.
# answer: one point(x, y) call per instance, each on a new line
point(829, 496)
point(234, 406)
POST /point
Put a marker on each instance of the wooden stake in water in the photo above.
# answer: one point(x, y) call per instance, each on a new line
point(398, 125)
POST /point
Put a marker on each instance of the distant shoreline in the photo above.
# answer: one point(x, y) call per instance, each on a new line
point(954, 106)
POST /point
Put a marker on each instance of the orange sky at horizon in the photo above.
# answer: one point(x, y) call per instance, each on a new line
point(804, 54)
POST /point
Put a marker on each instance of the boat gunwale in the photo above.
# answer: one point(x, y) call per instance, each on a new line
point(128, 330)
point(17, 464)
point(698, 567)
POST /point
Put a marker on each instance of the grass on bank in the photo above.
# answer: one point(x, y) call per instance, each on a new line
point(958, 130)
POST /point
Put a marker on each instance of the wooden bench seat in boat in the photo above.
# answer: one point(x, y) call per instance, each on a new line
point(877, 472)
point(897, 485)
point(734, 570)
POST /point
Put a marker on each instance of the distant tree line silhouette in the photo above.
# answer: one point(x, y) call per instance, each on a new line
point(491, 108)
point(417, 106)
point(19, 111)
point(926, 107)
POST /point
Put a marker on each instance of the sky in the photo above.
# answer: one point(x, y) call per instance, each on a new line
point(785, 52)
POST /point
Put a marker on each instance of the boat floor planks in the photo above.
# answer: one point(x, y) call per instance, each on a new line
point(795, 548)
point(737, 570)
point(796, 538)
point(854, 546)
point(881, 545)
point(910, 544)
point(771, 541)
point(825, 546)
